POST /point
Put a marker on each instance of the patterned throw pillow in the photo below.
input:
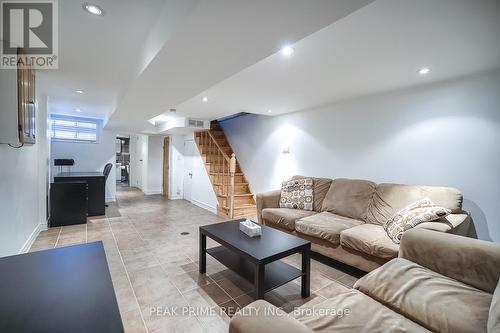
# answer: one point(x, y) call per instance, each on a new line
point(297, 194)
point(423, 210)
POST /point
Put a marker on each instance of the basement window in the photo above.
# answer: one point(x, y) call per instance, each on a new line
point(73, 129)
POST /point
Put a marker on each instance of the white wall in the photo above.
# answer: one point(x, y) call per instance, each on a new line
point(23, 189)
point(90, 157)
point(442, 134)
point(202, 193)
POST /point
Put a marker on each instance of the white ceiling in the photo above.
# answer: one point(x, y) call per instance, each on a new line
point(378, 48)
point(96, 54)
point(143, 58)
point(218, 39)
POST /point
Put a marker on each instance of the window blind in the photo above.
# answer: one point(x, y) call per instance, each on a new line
point(74, 129)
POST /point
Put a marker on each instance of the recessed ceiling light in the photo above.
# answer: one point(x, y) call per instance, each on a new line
point(423, 71)
point(79, 91)
point(173, 110)
point(204, 99)
point(78, 110)
point(93, 9)
point(287, 51)
point(269, 111)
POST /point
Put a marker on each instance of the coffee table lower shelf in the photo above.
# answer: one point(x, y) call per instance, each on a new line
point(277, 273)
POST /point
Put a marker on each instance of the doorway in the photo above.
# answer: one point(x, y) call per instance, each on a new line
point(189, 150)
point(166, 166)
point(123, 160)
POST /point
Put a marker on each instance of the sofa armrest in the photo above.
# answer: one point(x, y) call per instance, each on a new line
point(458, 224)
point(471, 261)
point(269, 199)
point(260, 316)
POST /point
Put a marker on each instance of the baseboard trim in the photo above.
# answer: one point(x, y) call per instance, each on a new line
point(177, 197)
point(204, 206)
point(32, 237)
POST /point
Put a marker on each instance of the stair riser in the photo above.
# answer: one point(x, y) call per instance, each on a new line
point(214, 151)
point(238, 189)
point(217, 134)
point(220, 179)
point(238, 212)
point(220, 168)
point(237, 201)
point(214, 163)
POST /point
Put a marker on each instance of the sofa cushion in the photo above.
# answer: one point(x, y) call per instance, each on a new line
point(325, 225)
point(421, 211)
point(349, 197)
point(439, 303)
point(352, 311)
point(494, 315)
point(371, 239)
point(297, 194)
point(320, 188)
point(284, 217)
point(390, 198)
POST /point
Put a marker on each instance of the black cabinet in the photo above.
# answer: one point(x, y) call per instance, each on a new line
point(68, 203)
point(96, 189)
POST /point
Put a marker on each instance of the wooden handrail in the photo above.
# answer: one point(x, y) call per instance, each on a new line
point(217, 145)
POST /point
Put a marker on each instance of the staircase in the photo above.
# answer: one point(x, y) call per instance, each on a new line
point(228, 181)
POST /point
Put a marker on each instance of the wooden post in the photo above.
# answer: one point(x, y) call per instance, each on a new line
point(232, 170)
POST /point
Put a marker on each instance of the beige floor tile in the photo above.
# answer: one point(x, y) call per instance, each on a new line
point(126, 299)
point(179, 266)
point(230, 308)
point(44, 243)
point(244, 300)
point(235, 286)
point(332, 290)
point(187, 281)
point(348, 280)
point(319, 281)
point(208, 296)
point(70, 241)
point(132, 322)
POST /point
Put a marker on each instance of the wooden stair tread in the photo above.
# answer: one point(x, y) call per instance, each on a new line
point(218, 163)
point(225, 173)
point(235, 184)
point(242, 195)
point(240, 206)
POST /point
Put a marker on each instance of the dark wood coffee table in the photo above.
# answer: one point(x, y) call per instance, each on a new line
point(257, 259)
point(67, 289)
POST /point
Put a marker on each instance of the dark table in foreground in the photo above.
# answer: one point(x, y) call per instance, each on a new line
point(96, 189)
point(67, 289)
point(257, 259)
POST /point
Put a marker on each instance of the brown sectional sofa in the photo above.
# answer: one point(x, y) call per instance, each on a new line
point(439, 283)
point(347, 217)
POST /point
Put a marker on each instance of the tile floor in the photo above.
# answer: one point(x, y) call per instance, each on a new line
point(154, 267)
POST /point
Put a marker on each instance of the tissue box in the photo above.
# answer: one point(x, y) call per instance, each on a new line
point(250, 228)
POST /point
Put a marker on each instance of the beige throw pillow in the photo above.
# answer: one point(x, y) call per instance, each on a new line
point(423, 210)
point(297, 194)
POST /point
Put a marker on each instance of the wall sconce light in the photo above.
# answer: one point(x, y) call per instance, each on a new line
point(286, 150)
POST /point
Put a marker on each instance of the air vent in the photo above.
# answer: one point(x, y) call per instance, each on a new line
point(195, 123)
